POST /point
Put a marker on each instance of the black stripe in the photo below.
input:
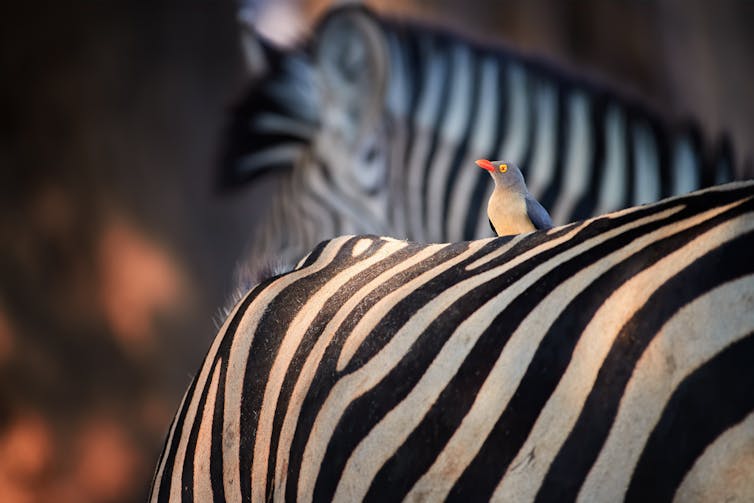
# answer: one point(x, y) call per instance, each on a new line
point(314, 255)
point(397, 131)
point(221, 358)
point(223, 352)
point(216, 449)
point(531, 86)
point(309, 339)
point(704, 175)
point(414, 457)
point(264, 348)
point(444, 49)
point(416, 299)
point(715, 397)
point(456, 163)
point(724, 161)
point(187, 476)
point(477, 201)
point(554, 352)
point(357, 421)
point(368, 409)
point(415, 74)
point(165, 483)
point(664, 161)
point(326, 374)
point(580, 450)
point(163, 455)
point(423, 445)
point(550, 194)
point(585, 207)
point(364, 412)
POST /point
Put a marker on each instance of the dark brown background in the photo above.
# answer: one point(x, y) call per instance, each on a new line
point(115, 254)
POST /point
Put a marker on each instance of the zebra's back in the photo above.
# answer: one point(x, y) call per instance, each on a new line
point(604, 360)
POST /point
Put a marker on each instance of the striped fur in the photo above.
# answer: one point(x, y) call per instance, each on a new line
point(602, 360)
point(391, 150)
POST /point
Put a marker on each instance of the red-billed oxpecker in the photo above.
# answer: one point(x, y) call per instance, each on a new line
point(511, 208)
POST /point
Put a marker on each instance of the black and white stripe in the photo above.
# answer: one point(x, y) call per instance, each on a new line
point(603, 360)
point(444, 102)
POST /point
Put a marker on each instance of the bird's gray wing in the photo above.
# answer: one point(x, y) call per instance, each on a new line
point(537, 214)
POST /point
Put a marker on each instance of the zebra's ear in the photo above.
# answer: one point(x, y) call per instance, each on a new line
point(256, 50)
point(351, 58)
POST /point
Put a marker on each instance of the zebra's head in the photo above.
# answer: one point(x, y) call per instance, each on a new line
point(275, 122)
point(318, 109)
point(316, 115)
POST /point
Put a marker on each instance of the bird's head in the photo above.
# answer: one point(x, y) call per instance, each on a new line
point(506, 174)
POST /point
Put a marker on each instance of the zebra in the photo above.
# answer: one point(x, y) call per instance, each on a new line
point(374, 125)
point(601, 360)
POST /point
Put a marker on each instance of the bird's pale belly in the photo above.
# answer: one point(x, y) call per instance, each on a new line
point(510, 217)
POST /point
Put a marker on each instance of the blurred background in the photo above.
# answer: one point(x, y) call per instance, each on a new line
point(115, 251)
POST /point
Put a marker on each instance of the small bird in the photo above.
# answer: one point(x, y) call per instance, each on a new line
point(512, 209)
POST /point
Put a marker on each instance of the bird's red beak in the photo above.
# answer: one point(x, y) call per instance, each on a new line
point(485, 164)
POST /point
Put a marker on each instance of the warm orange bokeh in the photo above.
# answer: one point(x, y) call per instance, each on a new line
point(138, 280)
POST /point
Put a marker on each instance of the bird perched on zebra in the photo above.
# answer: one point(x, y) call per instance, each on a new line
point(511, 208)
point(605, 360)
point(353, 118)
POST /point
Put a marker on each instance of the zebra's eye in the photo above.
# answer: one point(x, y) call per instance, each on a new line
point(503, 168)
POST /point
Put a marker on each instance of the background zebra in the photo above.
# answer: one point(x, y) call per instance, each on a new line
point(376, 124)
point(605, 359)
